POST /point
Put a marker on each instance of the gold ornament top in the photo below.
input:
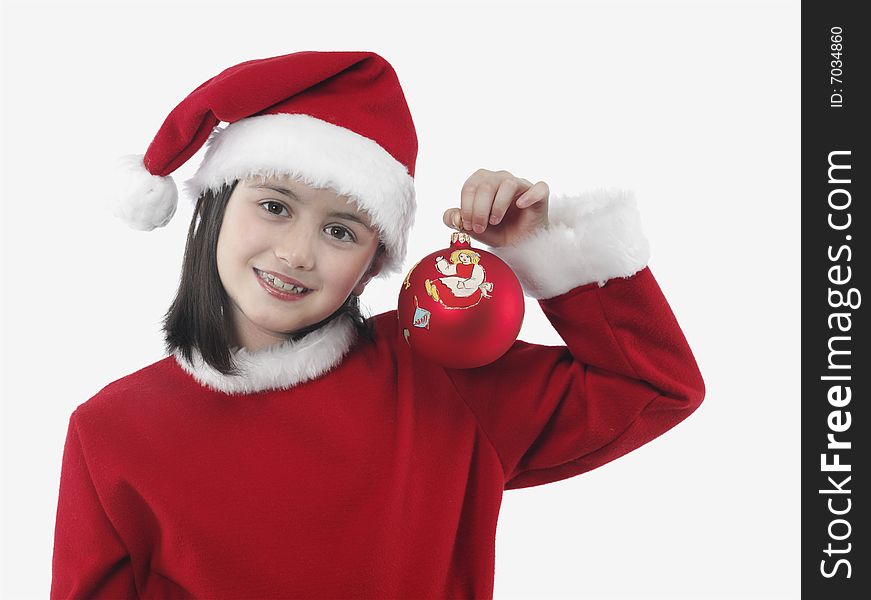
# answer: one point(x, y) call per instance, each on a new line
point(460, 237)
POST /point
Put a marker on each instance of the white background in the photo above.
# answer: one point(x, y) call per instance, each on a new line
point(693, 105)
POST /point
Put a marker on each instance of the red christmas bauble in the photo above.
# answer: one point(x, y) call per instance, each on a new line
point(460, 307)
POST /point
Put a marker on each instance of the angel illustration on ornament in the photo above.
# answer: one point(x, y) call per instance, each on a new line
point(464, 283)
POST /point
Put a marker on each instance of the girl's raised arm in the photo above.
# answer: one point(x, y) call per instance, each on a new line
point(626, 374)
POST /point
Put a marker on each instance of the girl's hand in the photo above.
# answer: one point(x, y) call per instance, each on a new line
point(497, 208)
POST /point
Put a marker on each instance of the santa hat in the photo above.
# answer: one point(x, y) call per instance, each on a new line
point(335, 120)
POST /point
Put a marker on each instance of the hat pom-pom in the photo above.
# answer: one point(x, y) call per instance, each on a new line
point(144, 201)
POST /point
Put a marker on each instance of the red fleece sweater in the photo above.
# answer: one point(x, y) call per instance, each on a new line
point(380, 479)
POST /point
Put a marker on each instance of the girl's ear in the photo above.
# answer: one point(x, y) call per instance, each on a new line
point(374, 268)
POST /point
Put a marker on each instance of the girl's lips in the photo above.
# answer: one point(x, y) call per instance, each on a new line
point(280, 294)
point(283, 278)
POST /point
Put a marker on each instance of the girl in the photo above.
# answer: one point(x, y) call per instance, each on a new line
point(288, 447)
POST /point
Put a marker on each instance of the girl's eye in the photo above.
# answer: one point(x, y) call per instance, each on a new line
point(273, 203)
point(339, 232)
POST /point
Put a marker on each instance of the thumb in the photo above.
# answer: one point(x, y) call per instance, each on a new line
point(452, 218)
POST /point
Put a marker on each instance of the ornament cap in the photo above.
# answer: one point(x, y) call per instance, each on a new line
point(461, 239)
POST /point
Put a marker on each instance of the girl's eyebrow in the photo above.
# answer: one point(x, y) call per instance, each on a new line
point(290, 194)
point(350, 217)
point(278, 189)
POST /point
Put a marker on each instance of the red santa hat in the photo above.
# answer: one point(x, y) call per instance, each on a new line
point(335, 120)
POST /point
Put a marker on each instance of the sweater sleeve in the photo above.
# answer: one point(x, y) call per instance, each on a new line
point(626, 374)
point(90, 559)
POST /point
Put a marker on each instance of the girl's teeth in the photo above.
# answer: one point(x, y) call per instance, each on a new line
point(281, 285)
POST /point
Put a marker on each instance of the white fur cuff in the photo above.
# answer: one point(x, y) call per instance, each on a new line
point(595, 236)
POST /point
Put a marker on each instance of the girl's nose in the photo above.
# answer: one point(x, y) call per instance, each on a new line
point(297, 250)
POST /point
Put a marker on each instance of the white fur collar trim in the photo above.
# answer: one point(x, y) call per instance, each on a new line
point(280, 366)
point(322, 155)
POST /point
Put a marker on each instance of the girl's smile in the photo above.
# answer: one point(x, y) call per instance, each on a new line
point(289, 255)
point(285, 286)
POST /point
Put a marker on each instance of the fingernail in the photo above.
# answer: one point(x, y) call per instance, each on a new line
point(478, 228)
point(467, 224)
point(494, 220)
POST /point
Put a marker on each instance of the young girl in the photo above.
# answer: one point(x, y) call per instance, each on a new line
point(288, 447)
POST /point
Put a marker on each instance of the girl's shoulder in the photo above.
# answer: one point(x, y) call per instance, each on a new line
point(151, 386)
point(385, 323)
point(387, 341)
point(162, 390)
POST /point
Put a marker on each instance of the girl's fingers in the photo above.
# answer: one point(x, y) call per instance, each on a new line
point(467, 201)
point(487, 196)
point(484, 195)
point(508, 191)
point(540, 191)
point(452, 218)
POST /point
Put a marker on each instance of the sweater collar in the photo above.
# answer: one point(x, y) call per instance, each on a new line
point(280, 366)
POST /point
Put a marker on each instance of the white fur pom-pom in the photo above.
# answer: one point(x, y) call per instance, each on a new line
point(142, 200)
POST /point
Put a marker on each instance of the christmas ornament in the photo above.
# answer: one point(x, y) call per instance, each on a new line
point(460, 307)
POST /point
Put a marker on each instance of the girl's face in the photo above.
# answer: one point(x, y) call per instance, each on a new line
point(308, 235)
point(465, 258)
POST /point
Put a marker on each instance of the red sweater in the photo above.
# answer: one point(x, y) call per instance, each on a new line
point(381, 478)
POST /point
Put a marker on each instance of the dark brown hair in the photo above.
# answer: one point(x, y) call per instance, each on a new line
point(200, 315)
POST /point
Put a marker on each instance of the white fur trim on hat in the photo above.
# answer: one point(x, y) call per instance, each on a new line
point(280, 366)
point(595, 236)
point(322, 155)
point(143, 201)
